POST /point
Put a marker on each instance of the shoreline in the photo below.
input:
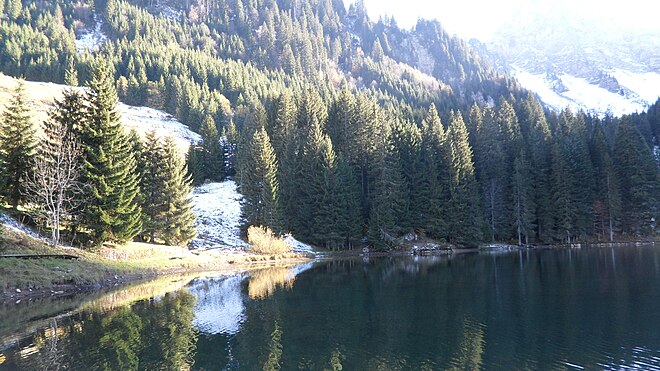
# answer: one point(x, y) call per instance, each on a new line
point(120, 280)
point(112, 266)
point(149, 262)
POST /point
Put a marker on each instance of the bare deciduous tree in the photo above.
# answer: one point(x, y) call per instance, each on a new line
point(54, 189)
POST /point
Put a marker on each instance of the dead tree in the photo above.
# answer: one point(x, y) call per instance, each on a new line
point(54, 189)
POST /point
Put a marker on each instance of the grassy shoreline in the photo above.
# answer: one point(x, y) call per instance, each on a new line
point(111, 266)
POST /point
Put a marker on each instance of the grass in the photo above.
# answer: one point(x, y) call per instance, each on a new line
point(263, 241)
point(117, 263)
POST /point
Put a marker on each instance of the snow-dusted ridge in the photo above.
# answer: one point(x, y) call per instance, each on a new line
point(639, 91)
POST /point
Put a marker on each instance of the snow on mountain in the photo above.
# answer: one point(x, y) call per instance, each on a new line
point(579, 61)
point(91, 40)
point(559, 92)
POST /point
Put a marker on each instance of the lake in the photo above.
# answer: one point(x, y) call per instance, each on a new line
point(555, 309)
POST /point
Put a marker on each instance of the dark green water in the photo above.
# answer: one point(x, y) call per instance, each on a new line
point(591, 308)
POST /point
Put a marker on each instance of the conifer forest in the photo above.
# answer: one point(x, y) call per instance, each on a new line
point(315, 111)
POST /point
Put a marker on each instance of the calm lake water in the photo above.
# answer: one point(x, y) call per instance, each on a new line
point(590, 308)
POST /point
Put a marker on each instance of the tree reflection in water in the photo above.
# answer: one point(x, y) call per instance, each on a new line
point(264, 282)
point(152, 334)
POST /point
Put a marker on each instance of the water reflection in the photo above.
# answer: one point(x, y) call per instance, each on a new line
point(152, 334)
point(221, 305)
point(264, 282)
point(546, 309)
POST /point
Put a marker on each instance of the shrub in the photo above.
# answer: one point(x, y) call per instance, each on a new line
point(263, 241)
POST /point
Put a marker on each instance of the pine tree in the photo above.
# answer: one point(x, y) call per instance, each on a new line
point(260, 186)
point(607, 204)
point(17, 148)
point(639, 179)
point(346, 197)
point(388, 202)
point(213, 155)
point(112, 212)
point(491, 169)
point(523, 198)
point(538, 146)
point(71, 74)
point(435, 185)
point(464, 212)
point(195, 164)
point(152, 178)
point(178, 219)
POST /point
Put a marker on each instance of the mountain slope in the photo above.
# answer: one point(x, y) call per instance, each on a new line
point(141, 119)
point(580, 62)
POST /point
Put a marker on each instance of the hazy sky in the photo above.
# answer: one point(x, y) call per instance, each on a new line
point(480, 18)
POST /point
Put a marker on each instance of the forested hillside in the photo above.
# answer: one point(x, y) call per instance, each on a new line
point(348, 131)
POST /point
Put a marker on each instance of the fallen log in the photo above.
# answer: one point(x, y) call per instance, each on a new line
point(41, 256)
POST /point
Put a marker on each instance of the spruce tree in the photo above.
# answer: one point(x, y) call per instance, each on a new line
point(213, 155)
point(112, 212)
point(346, 197)
point(178, 217)
point(435, 185)
point(607, 204)
point(464, 212)
point(388, 199)
point(523, 198)
point(491, 168)
point(538, 145)
point(407, 140)
point(71, 112)
point(153, 176)
point(639, 178)
point(17, 148)
point(195, 164)
point(563, 208)
point(318, 214)
point(71, 74)
point(259, 185)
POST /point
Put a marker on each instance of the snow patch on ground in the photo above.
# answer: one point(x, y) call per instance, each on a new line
point(218, 210)
point(16, 226)
point(218, 207)
point(91, 40)
point(145, 119)
point(170, 13)
point(298, 247)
